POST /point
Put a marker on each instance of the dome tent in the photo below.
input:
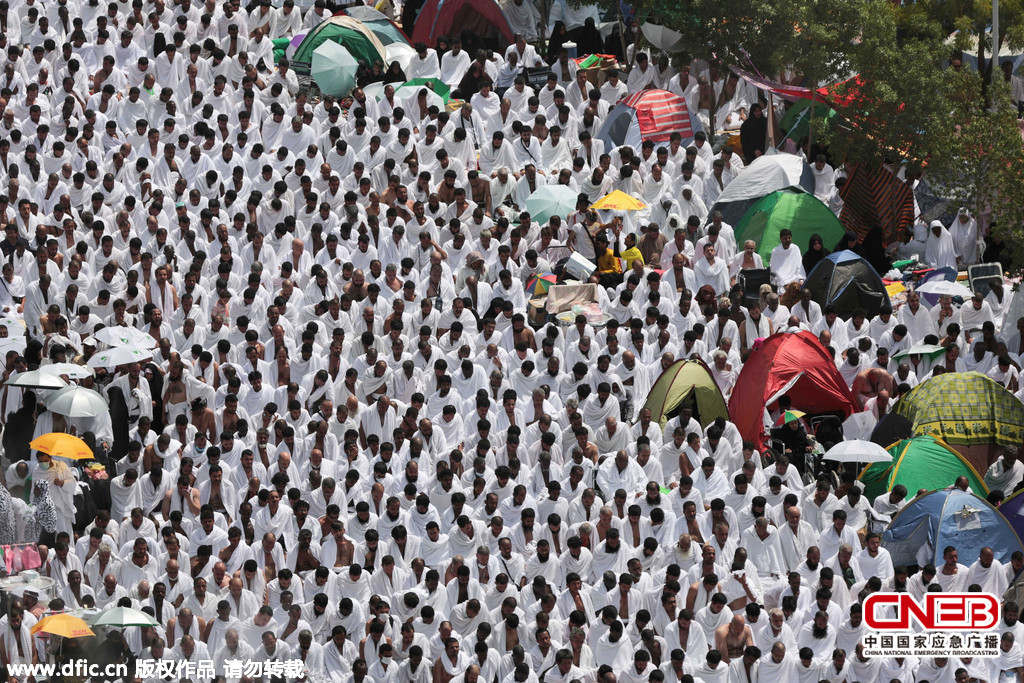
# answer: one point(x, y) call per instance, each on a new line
point(764, 175)
point(923, 462)
point(846, 282)
point(793, 208)
point(790, 363)
point(359, 40)
point(387, 31)
point(949, 517)
point(686, 382)
point(971, 412)
point(481, 18)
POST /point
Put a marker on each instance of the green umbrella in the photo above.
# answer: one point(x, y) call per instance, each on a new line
point(930, 350)
point(122, 617)
point(333, 68)
point(792, 208)
point(551, 200)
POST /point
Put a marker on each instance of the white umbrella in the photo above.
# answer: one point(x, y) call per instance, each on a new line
point(944, 288)
point(374, 90)
point(120, 355)
point(407, 96)
point(665, 39)
point(857, 451)
point(124, 336)
point(36, 379)
point(399, 52)
point(14, 325)
point(72, 370)
point(76, 401)
point(18, 343)
point(859, 425)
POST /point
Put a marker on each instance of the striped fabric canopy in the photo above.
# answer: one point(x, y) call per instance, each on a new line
point(660, 113)
point(874, 197)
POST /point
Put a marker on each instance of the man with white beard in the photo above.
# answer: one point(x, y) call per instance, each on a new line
point(795, 537)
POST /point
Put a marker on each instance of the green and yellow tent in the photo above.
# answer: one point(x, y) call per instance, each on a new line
point(923, 462)
point(686, 382)
point(793, 208)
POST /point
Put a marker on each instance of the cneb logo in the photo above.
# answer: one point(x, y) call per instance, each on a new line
point(940, 611)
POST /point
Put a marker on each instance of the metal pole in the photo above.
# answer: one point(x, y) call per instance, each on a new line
point(995, 40)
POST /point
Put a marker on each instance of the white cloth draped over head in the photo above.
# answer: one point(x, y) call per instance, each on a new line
point(939, 249)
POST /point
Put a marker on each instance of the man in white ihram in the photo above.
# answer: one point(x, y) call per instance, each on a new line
point(786, 261)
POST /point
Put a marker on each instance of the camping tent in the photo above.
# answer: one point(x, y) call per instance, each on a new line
point(352, 34)
point(387, 31)
point(846, 282)
point(482, 18)
point(923, 462)
point(764, 175)
point(648, 115)
point(968, 410)
point(683, 381)
point(785, 358)
point(792, 208)
point(919, 532)
point(1013, 509)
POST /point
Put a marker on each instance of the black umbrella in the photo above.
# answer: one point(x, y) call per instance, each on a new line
point(890, 429)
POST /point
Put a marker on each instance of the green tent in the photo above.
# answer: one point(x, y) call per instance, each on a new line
point(923, 462)
point(359, 40)
point(686, 382)
point(793, 208)
point(387, 32)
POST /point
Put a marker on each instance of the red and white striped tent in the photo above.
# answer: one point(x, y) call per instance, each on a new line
point(647, 115)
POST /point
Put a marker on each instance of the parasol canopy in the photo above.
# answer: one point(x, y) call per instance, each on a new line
point(857, 451)
point(63, 625)
point(944, 288)
point(36, 379)
point(551, 200)
point(120, 355)
point(539, 284)
point(122, 617)
point(618, 200)
point(333, 68)
point(76, 401)
point(62, 445)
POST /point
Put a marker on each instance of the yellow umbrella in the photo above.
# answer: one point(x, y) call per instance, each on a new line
point(64, 625)
point(62, 445)
point(618, 201)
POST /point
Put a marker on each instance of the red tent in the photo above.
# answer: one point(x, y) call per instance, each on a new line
point(785, 357)
point(441, 18)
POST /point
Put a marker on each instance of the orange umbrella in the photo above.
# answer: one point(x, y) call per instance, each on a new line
point(64, 625)
point(62, 445)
